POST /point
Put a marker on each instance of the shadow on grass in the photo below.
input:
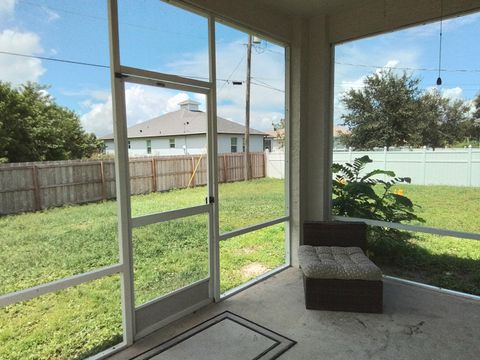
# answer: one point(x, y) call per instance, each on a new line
point(399, 256)
point(115, 340)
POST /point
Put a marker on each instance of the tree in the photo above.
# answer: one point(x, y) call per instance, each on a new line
point(383, 112)
point(443, 122)
point(34, 128)
point(279, 129)
point(390, 110)
point(474, 130)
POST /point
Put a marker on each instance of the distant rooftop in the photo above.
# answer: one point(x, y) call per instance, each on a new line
point(190, 105)
point(189, 120)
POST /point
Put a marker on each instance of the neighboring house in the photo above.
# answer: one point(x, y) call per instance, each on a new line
point(275, 140)
point(338, 132)
point(184, 132)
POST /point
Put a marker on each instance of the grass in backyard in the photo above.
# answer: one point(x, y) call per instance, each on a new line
point(447, 262)
point(247, 256)
point(69, 324)
point(40, 247)
point(443, 261)
point(446, 207)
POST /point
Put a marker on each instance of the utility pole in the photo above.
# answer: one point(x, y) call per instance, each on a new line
point(248, 168)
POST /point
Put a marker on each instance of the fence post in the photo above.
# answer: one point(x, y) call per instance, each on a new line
point(265, 163)
point(385, 154)
point(102, 176)
point(225, 178)
point(470, 167)
point(424, 165)
point(350, 154)
point(385, 165)
point(154, 175)
point(193, 171)
point(36, 188)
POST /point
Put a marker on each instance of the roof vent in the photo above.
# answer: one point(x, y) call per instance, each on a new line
point(189, 105)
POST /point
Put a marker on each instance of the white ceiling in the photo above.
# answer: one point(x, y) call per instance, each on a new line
point(306, 7)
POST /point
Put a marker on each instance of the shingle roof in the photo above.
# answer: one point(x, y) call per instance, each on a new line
point(182, 122)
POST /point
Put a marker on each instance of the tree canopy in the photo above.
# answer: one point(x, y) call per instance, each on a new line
point(34, 128)
point(391, 110)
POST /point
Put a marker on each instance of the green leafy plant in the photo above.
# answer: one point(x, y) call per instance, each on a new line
point(371, 196)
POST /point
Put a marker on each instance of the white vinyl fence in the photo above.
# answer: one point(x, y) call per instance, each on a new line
point(275, 164)
point(455, 167)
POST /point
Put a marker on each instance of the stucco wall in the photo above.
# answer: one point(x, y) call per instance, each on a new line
point(194, 144)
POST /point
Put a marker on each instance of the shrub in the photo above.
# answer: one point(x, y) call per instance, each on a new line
point(369, 196)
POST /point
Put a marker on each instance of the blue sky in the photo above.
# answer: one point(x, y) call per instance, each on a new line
point(159, 36)
point(416, 48)
point(153, 35)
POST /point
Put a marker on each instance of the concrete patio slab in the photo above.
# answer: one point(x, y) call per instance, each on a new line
point(417, 323)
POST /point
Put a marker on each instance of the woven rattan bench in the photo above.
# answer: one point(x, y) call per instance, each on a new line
point(337, 275)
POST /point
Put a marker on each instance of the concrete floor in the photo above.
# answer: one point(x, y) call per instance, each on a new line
point(417, 323)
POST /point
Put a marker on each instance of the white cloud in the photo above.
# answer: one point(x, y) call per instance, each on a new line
point(7, 8)
point(142, 104)
point(381, 54)
point(453, 93)
point(51, 15)
point(17, 69)
point(267, 105)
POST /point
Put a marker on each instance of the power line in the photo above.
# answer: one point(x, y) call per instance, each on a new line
point(229, 77)
point(55, 59)
point(225, 81)
point(407, 68)
point(264, 84)
point(144, 27)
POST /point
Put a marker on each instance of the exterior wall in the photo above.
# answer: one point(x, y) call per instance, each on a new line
point(276, 144)
point(191, 144)
point(256, 143)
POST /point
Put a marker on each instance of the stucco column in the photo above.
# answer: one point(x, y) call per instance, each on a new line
point(316, 157)
point(310, 125)
point(298, 104)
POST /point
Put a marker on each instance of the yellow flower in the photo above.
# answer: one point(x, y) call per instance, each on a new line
point(399, 192)
point(342, 181)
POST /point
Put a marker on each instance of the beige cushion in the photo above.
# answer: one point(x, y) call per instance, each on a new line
point(334, 262)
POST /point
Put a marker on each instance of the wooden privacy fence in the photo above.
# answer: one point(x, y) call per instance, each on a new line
point(40, 185)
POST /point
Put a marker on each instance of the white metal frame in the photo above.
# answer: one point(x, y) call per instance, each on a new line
point(33, 292)
point(119, 75)
point(170, 215)
point(167, 81)
point(214, 246)
point(433, 288)
point(413, 228)
point(122, 176)
point(245, 230)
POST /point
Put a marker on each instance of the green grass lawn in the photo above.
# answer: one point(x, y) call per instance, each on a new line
point(443, 261)
point(39, 247)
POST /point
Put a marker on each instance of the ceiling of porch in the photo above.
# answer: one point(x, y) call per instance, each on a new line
point(305, 7)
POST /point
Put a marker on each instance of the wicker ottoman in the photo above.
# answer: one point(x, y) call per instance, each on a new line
point(339, 278)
